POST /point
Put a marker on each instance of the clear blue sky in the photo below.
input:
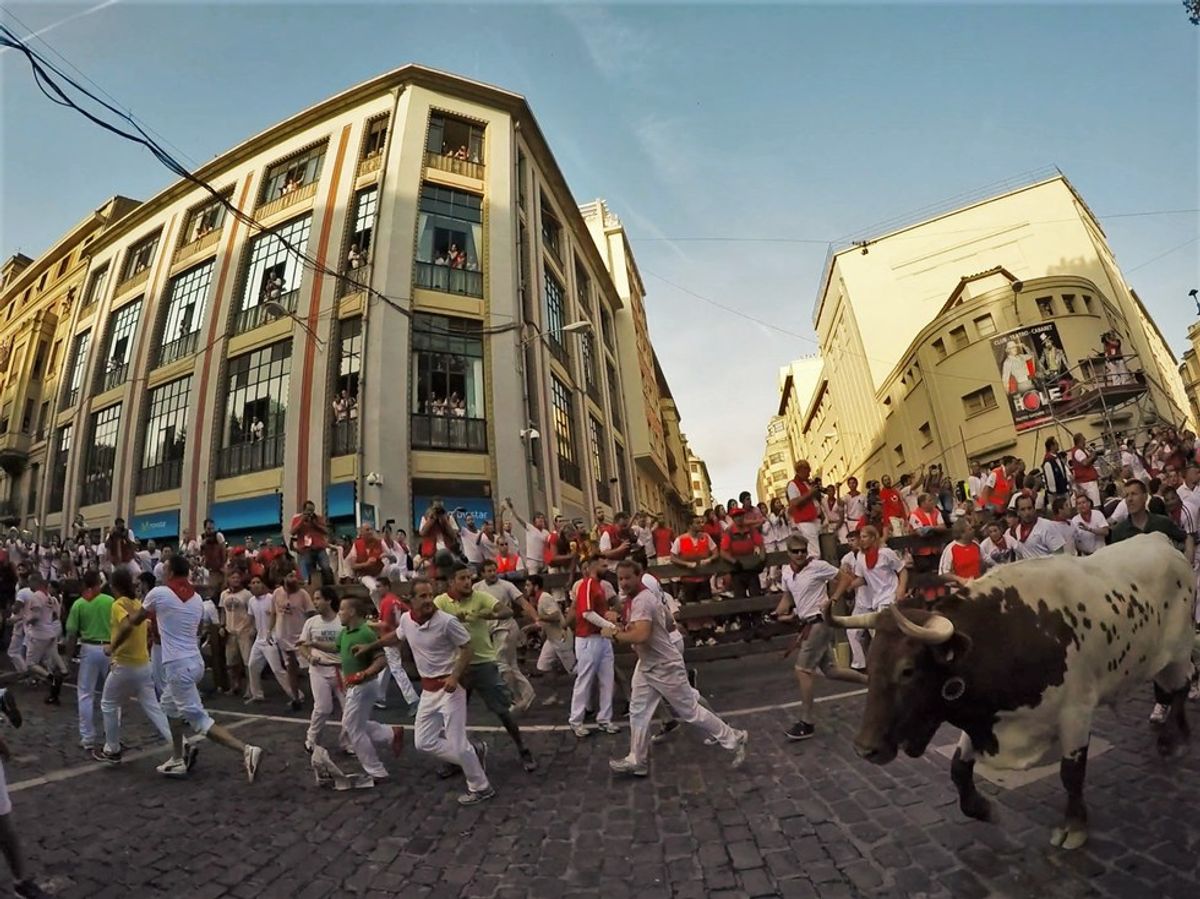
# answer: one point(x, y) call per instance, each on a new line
point(730, 121)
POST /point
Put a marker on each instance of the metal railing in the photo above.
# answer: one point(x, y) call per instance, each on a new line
point(461, 281)
point(178, 348)
point(305, 192)
point(345, 437)
point(449, 432)
point(199, 245)
point(454, 165)
point(249, 319)
point(243, 458)
point(114, 376)
point(568, 471)
point(163, 476)
point(355, 280)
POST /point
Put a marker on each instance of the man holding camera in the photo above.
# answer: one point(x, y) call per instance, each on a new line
point(122, 548)
point(1083, 467)
point(438, 531)
point(311, 535)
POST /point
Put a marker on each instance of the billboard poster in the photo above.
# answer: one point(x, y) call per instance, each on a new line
point(1034, 373)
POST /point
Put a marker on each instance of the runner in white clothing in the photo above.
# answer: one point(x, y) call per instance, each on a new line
point(879, 571)
point(856, 636)
point(536, 535)
point(1089, 525)
point(264, 649)
point(318, 645)
point(1034, 537)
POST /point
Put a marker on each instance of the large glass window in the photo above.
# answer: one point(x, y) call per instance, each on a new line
point(165, 437)
point(556, 315)
point(95, 288)
point(450, 241)
point(292, 174)
point(255, 410)
point(376, 138)
point(448, 398)
point(204, 220)
point(622, 477)
point(273, 273)
point(186, 297)
point(101, 456)
point(564, 433)
point(139, 256)
point(591, 376)
point(58, 475)
point(614, 395)
point(78, 366)
point(358, 252)
point(345, 388)
point(121, 332)
point(455, 138)
point(599, 469)
point(551, 231)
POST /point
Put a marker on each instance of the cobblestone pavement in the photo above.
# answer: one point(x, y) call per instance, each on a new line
point(799, 820)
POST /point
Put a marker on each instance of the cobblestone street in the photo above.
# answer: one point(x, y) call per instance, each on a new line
point(799, 820)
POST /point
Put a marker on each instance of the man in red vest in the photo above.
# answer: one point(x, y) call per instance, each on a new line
point(742, 547)
point(311, 535)
point(1083, 469)
point(691, 550)
point(803, 510)
point(926, 523)
point(366, 557)
point(998, 486)
point(895, 511)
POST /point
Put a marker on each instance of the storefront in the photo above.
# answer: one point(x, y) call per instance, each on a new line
point(255, 516)
point(161, 527)
point(339, 509)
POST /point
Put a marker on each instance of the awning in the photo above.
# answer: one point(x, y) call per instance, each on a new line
point(155, 525)
point(339, 500)
point(245, 514)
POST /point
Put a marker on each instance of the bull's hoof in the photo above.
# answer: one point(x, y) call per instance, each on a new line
point(1068, 837)
point(975, 806)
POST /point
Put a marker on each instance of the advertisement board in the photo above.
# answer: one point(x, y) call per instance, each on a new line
point(1034, 373)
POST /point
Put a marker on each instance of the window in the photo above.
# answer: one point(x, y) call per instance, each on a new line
point(1087, 303)
point(53, 366)
point(450, 241)
point(551, 231)
point(78, 365)
point(165, 437)
point(95, 287)
point(583, 290)
point(42, 281)
point(345, 388)
point(292, 174)
point(120, 345)
point(186, 297)
point(101, 456)
point(377, 131)
point(614, 396)
point(556, 316)
point(43, 420)
point(599, 469)
point(39, 359)
point(939, 347)
point(139, 256)
point(273, 273)
point(979, 401)
point(455, 138)
point(5, 416)
point(58, 477)
point(62, 267)
point(564, 433)
point(1069, 302)
point(1045, 306)
point(898, 450)
point(255, 410)
point(926, 434)
point(27, 418)
point(35, 478)
point(985, 325)
point(606, 326)
point(591, 377)
point(448, 399)
point(366, 204)
point(775, 458)
point(622, 474)
point(204, 220)
point(959, 336)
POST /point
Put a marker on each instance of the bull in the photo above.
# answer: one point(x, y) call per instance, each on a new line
point(1019, 659)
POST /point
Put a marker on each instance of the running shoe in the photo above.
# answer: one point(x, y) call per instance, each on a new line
point(580, 731)
point(173, 767)
point(801, 730)
point(1158, 714)
point(608, 727)
point(251, 756)
point(103, 755)
point(739, 751)
point(474, 797)
point(628, 766)
point(528, 762)
point(190, 752)
point(8, 705)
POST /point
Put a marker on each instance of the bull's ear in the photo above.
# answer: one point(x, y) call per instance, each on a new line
point(953, 650)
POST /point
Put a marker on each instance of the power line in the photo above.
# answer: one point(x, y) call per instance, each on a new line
point(1141, 265)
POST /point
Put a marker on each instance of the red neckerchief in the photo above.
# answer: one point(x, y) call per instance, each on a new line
point(1003, 544)
point(1024, 530)
point(181, 587)
point(872, 556)
point(421, 620)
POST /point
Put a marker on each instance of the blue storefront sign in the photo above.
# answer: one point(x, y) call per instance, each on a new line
point(339, 500)
point(478, 507)
point(155, 525)
point(254, 513)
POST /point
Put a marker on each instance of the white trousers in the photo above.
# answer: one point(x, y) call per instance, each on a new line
point(156, 669)
point(127, 682)
point(594, 663)
point(361, 731)
point(441, 730)
point(16, 647)
point(264, 652)
point(1092, 489)
point(327, 694)
point(556, 649)
point(41, 653)
point(395, 671)
point(93, 669)
point(668, 681)
point(505, 636)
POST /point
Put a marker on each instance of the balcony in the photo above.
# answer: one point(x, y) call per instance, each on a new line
point(244, 458)
point(137, 279)
point(449, 432)
point(249, 319)
point(291, 198)
point(461, 281)
point(178, 348)
point(568, 472)
point(370, 164)
point(115, 375)
point(355, 280)
point(163, 476)
point(345, 437)
point(197, 246)
point(14, 452)
point(454, 165)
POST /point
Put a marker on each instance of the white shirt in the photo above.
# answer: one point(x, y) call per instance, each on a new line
point(178, 623)
point(260, 608)
point(470, 543)
point(535, 543)
point(645, 539)
point(434, 644)
point(211, 616)
point(909, 495)
point(1120, 513)
point(807, 587)
point(317, 630)
point(1133, 462)
point(1045, 538)
point(856, 506)
point(1068, 534)
point(975, 485)
point(882, 580)
point(1085, 541)
point(660, 649)
point(505, 592)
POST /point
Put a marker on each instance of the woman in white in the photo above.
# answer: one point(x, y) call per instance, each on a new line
point(775, 531)
point(318, 644)
point(1089, 526)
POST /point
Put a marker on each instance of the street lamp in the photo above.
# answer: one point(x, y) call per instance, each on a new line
point(582, 326)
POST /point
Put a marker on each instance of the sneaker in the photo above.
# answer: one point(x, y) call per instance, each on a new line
point(626, 766)
point(190, 752)
point(173, 767)
point(801, 730)
point(251, 756)
point(739, 751)
point(8, 705)
point(397, 741)
point(580, 731)
point(308, 747)
point(528, 762)
point(27, 889)
point(473, 797)
point(103, 755)
point(668, 728)
point(608, 727)
point(447, 771)
point(1158, 714)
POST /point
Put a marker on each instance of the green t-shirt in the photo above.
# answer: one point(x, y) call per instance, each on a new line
point(482, 648)
point(91, 618)
point(1162, 524)
point(350, 637)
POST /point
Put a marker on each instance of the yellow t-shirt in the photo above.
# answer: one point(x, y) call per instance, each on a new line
point(134, 650)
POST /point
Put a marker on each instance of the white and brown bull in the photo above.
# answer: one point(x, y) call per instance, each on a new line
point(1020, 658)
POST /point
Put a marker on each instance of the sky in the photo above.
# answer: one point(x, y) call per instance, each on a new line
point(774, 129)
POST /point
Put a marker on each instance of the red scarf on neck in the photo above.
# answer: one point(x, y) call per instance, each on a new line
point(1024, 530)
point(872, 556)
point(418, 618)
point(181, 587)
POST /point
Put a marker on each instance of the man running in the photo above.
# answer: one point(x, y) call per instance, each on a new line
point(318, 643)
point(178, 613)
point(358, 669)
point(660, 675)
point(264, 650)
point(506, 633)
point(90, 622)
point(593, 654)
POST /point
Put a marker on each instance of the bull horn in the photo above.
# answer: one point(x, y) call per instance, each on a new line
point(938, 630)
point(867, 620)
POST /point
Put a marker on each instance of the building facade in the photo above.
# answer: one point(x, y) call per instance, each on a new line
point(980, 333)
point(1189, 370)
point(409, 306)
point(701, 485)
point(778, 464)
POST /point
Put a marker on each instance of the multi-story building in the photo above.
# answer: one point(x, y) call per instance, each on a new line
point(701, 484)
point(37, 300)
point(978, 333)
point(408, 305)
point(778, 463)
point(798, 382)
point(1189, 370)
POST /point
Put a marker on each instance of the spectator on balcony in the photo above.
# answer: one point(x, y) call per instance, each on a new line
point(1115, 369)
point(272, 289)
point(341, 407)
point(257, 430)
point(456, 407)
point(461, 153)
point(356, 258)
point(310, 532)
point(441, 258)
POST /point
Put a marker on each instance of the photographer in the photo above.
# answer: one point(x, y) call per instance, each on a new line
point(311, 536)
point(122, 548)
point(438, 531)
point(1083, 469)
